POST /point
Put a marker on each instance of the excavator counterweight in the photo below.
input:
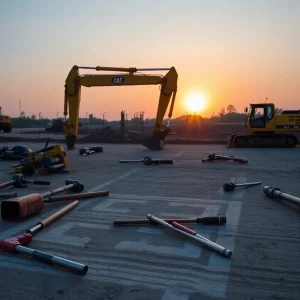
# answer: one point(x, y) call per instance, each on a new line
point(128, 77)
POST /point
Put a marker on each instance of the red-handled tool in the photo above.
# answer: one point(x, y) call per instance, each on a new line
point(16, 244)
point(215, 157)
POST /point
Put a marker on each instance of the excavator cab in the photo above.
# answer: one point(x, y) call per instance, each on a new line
point(260, 116)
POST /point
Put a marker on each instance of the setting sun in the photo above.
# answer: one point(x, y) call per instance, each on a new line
point(196, 102)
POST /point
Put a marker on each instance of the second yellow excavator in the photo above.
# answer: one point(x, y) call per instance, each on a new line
point(129, 76)
point(265, 127)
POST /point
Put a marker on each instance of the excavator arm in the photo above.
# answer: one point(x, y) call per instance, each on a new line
point(74, 81)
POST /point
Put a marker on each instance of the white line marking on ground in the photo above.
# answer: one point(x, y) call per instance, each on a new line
point(25, 224)
point(239, 192)
point(172, 294)
point(178, 154)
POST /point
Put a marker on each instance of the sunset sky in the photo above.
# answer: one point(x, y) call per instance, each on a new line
point(232, 52)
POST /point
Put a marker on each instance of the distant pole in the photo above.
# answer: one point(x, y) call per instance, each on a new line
point(57, 115)
point(103, 118)
point(19, 107)
point(39, 124)
point(86, 120)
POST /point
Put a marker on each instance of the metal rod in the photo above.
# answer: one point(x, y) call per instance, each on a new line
point(208, 243)
point(51, 259)
point(8, 195)
point(247, 184)
point(276, 193)
point(228, 187)
point(218, 220)
point(130, 160)
point(205, 242)
point(58, 190)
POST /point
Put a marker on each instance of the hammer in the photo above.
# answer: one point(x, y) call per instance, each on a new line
point(228, 187)
point(22, 207)
point(19, 181)
point(147, 160)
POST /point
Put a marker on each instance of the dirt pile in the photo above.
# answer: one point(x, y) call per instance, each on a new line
point(108, 135)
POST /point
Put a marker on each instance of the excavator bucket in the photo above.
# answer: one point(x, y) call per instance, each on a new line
point(70, 141)
point(156, 141)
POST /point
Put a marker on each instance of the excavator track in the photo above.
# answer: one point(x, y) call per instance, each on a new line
point(274, 140)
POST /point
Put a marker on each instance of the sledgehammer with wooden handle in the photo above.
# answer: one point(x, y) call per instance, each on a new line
point(16, 209)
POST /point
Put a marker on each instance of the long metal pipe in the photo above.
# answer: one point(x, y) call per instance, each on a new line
point(52, 259)
point(218, 220)
point(209, 244)
point(276, 193)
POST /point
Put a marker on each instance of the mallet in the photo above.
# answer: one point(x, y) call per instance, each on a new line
point(16, 244)
point(147, 160)
point(202, 220)
point(228, 187)
point(22, 207)
point(19, 181)
point(276, 193)
point(191, 234)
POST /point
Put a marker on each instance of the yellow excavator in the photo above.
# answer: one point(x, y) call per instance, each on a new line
point(266, 128)
point(127, 77)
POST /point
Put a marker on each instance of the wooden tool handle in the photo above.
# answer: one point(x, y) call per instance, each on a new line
point(58, 214)
point(80, 196)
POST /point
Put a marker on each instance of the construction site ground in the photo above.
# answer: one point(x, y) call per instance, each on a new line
point(151, 262)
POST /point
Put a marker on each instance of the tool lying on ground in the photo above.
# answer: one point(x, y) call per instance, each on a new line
point(147, 160)
point(202, 220)
point(215, 157)
point(76, 196)
point(45, 161)
point(16, 244)
point(8, 195)
point(192, 235)
point(19, 181)
point(277, 193)
point(90, 150)
point(228, 187)
point(22, 207)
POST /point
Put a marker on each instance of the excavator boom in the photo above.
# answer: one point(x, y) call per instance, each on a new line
point(74, 81)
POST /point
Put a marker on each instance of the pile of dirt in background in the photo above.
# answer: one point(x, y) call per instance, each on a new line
point(108, 135)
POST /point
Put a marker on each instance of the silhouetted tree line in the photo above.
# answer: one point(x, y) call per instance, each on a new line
point(225, 115)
